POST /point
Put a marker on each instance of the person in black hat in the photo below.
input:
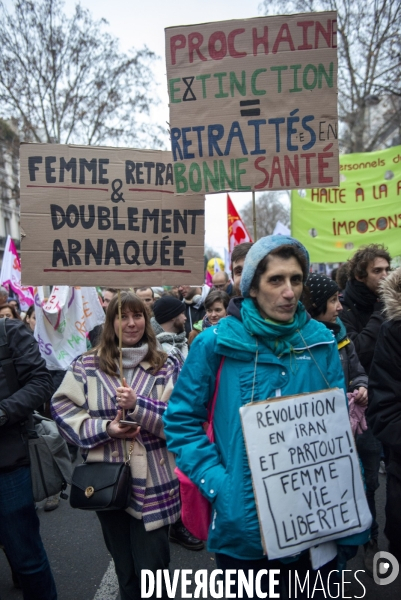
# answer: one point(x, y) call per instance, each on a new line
point(324, 305)
point(169, 325)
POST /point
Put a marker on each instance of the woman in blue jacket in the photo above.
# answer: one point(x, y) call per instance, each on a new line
point(266, 345)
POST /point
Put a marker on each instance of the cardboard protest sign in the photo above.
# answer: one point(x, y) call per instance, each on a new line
point(253, 103)
point(106, 216)
point(364, 208)
point(63, 321)
point(305, 471)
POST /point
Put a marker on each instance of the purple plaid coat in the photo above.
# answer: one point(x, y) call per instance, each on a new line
point(84, 404)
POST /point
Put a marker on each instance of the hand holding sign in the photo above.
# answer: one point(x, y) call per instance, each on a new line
point(126, 396)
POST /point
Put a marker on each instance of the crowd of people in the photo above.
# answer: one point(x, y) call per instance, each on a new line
point(181, 346)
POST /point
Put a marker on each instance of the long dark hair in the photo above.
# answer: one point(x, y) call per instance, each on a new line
point(107, 349)
point(28, 314)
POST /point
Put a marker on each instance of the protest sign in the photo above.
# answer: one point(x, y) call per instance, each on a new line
point(363, 209)
point(10, 276)
point(63, 321)
point(305, 471)
point(106, 216)
point(253, 103)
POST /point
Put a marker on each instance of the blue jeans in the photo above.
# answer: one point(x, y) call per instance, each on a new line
point(20, 536)
point(369, 451)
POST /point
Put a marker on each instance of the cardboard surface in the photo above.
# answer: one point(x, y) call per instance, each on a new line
point(364, 208)
point(106, 216)
point(305, 471)
point(253, 103)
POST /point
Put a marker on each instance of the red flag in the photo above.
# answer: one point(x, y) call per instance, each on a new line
point(237, 232)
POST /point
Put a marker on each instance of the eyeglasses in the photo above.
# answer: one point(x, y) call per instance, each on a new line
point(220, 286)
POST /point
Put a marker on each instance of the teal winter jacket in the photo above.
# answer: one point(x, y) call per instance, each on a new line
point(221, 470)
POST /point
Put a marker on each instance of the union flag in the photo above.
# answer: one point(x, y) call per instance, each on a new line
point(237, 232)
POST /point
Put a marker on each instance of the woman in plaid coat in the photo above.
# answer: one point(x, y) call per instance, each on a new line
point(88, 407)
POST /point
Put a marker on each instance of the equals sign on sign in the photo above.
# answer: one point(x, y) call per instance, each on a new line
point(250, 112)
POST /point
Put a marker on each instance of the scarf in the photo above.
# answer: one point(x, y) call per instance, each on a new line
point(205, 323)
point(359, 294)
point(179, 340)
point(280, 338)
point(131, 359)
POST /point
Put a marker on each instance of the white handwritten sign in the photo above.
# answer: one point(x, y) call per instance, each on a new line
point(305, 471)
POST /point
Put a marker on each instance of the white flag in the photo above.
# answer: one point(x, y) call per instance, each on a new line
point(63, 321)
point(281, 229)
point(10, 276)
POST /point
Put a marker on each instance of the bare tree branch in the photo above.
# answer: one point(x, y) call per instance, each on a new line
point(270, 208)
point(369, 70)
point(65, 79)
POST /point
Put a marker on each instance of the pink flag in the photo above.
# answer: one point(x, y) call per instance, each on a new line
point(11, 275)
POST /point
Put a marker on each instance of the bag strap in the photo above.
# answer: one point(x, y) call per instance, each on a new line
point(6, 362)
point(254, 371)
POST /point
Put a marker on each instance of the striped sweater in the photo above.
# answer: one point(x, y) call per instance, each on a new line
point(82, 407)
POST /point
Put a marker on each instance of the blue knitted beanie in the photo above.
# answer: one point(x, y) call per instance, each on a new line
point(262, 248)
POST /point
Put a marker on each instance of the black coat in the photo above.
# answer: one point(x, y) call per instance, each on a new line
point(354, 373)
point(384, 411)
point(35, 388)
point(362, 317)
point(193, 315)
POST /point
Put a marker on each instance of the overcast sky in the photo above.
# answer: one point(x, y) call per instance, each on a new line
point(137, 23)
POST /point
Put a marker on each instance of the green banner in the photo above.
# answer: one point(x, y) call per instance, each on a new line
point(365, 209)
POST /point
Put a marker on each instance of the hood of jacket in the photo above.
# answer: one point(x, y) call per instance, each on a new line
point(175, 339)
point(391, 295)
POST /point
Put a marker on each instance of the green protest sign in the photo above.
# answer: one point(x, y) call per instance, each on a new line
point(364, 209)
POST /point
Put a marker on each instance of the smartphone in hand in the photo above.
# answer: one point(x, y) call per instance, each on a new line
point(132, 424)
